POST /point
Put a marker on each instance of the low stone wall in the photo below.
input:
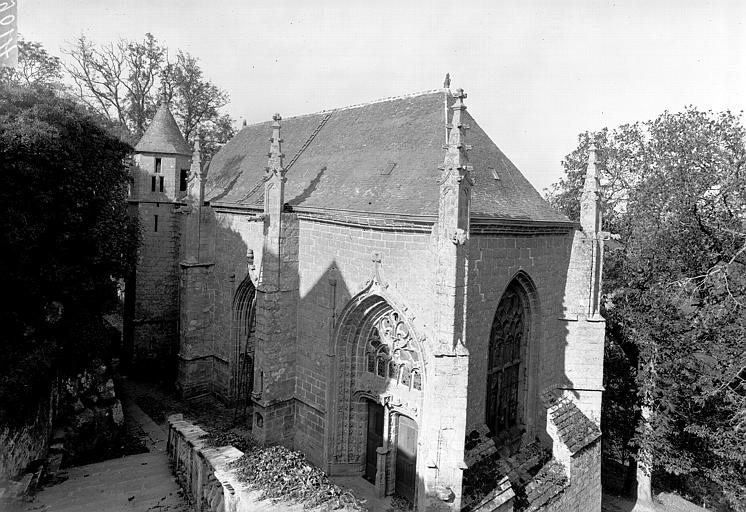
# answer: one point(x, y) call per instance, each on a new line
point(202, 470)
point(90, 414)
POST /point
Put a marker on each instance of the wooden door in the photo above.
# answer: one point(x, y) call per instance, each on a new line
point(374, 439)
point(406, 458)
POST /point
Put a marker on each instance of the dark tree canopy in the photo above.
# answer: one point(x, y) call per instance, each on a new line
point(675, 294)
point(66, 237)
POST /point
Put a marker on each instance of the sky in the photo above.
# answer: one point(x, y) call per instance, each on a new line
point(537, 73)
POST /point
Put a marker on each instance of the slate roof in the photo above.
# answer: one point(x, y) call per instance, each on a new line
point(574, 428)
point(163, 135)
point(341, 168)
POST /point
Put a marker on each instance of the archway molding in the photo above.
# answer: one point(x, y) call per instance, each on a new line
point(529, 374)
point(352, 384)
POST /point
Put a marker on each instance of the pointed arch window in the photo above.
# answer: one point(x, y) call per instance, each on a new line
point(244, 320)
point(391, 354)
point(506, 365)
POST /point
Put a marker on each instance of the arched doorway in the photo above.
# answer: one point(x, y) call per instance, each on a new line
point(377, 398)
point(244, 321)
point(509, 362)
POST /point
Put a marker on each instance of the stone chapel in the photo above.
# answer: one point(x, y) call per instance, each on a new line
point(389, 295)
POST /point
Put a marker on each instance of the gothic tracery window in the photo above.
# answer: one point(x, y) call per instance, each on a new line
point(509, 330)
point(390, 352)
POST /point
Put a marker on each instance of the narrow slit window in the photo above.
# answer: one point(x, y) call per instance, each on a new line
point(161, 183)
point(152, 184)
point(183, 179)
point(155, 223)
point(157, 165)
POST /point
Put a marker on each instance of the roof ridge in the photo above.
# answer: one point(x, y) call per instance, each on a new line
point(357, 105)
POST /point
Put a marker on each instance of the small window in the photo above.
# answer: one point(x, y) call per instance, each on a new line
point(152, 184)
point(157, 165)
point(183, 179)
point(161, 183)
point(155, 223)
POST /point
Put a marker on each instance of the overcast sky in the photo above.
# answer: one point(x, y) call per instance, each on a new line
point(537, 72)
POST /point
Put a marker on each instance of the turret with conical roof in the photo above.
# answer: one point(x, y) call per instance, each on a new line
point(163, 159)
point(161, 170)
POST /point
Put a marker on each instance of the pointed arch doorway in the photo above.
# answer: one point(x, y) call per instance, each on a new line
point(244, 322)
point(377, 399)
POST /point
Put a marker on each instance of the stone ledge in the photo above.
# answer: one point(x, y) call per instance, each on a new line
point(202, 471)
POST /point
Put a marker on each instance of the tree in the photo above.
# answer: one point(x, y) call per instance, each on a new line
point(675, 294)
point(66, 238)
point(125, 81)
point(118, 80)
point(36, 68)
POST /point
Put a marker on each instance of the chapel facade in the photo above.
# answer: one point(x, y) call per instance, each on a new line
point(389, 294)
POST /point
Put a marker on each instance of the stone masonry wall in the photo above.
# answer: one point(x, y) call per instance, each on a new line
point(233, 235)
point(157, 287)
point(202, 471)
point(335, 263)
point(493, 261)
point(584, 492)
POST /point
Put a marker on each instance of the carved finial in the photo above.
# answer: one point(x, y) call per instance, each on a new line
point(447, 81)
point(164, 96)
point(592, 153)
point(590, 200)
point(456, 158)
point(591, 174)
point(197, 153)
point(275, 155)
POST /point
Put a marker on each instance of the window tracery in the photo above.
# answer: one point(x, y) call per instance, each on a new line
point(505, 360)
point(391, 354)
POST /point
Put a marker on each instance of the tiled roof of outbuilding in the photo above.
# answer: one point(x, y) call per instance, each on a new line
point(574, 428)
point(345, 164)
point(163, 135)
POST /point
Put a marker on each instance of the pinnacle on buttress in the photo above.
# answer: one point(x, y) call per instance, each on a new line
point(275, 164)
point(197, 153)
point(447, 81)
point(590, 201)
point(456, 157)
point(591, 174)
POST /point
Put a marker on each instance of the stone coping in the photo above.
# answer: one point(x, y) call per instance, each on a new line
point(202, 470)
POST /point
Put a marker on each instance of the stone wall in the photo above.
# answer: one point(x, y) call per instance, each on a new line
point(89, 412)
point(156, 288)
point(202, 470)
point(494, 260)
point(335, 261)
point(584, 492)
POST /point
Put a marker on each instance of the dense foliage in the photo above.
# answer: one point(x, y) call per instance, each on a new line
point(66, 238)
point(675, 296)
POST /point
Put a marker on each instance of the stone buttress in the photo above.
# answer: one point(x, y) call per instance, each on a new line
point(276, 308)
point(445, 399)
point(585, 325)
point(197, 290)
